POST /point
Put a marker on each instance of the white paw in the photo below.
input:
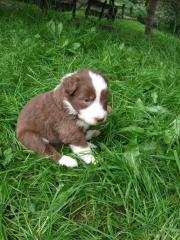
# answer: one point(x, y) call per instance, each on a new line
point(92, 133)
point(88, 158)
point(91, 145)
point(68, 161)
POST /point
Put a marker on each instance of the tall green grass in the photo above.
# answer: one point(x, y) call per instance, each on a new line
point(134, 191)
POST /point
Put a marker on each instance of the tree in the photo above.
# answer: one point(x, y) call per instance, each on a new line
point(151, 8)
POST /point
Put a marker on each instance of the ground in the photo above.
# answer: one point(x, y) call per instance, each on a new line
point(134, 190)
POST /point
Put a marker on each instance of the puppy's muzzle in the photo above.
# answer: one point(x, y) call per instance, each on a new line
point(99, 120)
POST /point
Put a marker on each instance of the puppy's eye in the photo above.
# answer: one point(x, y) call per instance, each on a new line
point(88, 100)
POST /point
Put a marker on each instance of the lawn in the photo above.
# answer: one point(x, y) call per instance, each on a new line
point(134, 190)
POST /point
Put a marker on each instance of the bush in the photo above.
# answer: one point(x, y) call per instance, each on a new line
point(167, 16)
point(140, 13)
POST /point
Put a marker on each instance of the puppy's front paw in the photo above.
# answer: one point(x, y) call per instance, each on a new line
point(88, 158)
point(91, 145)
point(92, 133)
point(68, 161)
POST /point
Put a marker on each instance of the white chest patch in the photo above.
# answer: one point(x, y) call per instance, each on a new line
point(81, 123)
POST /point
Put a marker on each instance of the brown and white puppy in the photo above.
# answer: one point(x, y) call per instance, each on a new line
point(63, 115)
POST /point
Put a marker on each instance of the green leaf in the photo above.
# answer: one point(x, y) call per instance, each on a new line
point(76, 45)
point(152, 109)
point(177, 159)
point(156, 109)
point(92, 30)
point(8, 156)
point(73, 47)
point(132, 128)
point(1, 153)
point(37, 36)
point(121, 46)
point(154, 97)
point(131, 156)
point(64, 43)
point(59, 29)
point(173, 133)
point(51, 27)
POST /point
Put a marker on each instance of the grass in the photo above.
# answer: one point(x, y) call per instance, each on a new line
point(134, 191)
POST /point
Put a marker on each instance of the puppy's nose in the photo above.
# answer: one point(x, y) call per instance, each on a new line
point(99, 119)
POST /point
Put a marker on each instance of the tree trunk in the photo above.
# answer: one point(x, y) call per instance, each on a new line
point(151, 8)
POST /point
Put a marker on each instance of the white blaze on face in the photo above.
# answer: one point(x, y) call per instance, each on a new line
point(95, 110)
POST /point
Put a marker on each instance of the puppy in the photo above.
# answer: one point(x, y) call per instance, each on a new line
point(63, 115)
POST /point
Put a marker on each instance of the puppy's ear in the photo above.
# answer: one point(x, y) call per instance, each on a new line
point(70, 84)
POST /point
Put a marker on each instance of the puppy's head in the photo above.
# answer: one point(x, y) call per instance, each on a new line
point(86, 95)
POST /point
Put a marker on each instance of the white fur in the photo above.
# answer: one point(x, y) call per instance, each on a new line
point(69, 107)
point(95, 110)
point(68, 161)
point(91, 145)
point(84, 153)
point(83, 124)
point(45, 140)
point(92, 133)
point(67, 75)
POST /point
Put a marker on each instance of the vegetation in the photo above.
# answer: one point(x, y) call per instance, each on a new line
point(162, 14)
point(167, 15)
point(134, 191)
